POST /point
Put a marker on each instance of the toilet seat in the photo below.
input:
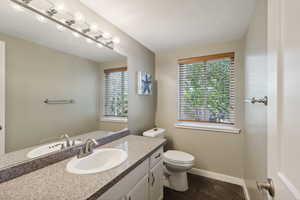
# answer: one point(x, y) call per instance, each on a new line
point(178, 157)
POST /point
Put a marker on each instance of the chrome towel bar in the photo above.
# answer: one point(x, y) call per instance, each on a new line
point(62, 101)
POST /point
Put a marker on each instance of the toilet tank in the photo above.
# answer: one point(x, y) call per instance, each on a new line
point(155, 132)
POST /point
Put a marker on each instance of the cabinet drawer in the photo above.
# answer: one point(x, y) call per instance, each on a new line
point(156, 157)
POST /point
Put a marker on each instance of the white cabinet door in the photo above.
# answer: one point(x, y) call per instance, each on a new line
point(120, 190)
point(140, 190)
point(156, 182)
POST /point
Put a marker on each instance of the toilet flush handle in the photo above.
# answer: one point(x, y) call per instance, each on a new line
point(157, 156)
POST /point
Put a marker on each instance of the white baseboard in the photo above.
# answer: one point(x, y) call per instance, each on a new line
point(217, 176)
point(221, 177)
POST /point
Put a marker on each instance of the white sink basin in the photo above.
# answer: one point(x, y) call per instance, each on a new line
point(99, 161)
point(47, 148)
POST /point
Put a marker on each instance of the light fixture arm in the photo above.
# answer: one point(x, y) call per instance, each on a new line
point(86, 30)
point(51, 12)
point(26, 1)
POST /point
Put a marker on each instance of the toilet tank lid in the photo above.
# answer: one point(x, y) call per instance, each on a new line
point(154, 132)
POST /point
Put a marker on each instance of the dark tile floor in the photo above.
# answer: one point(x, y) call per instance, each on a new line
point(201, 188)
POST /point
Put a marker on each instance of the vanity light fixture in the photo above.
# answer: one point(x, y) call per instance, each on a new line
point(91, 33)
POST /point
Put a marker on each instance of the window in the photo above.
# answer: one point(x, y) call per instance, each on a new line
point(116, 92)
point(206, 89)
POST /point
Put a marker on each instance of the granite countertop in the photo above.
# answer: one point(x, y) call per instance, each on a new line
point(54, 182)
point(13, 158)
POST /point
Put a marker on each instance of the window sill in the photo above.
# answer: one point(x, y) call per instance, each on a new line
point(114, 119)
point(208, 127)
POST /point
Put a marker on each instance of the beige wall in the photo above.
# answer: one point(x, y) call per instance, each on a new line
point(256, 86)
point(34, 73)
point(106, 125)
point(214, 151)
point(141, 108)
point(112, 126)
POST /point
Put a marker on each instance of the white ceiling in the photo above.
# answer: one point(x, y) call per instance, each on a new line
point(166, 24)
point(25, 26)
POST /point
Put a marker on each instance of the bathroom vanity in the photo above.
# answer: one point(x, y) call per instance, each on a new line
point(139, 177)
point(145, 182)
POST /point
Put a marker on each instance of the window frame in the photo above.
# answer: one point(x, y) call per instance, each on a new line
point(111, 118)
point(203, 124)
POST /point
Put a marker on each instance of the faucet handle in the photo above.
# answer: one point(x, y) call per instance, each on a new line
point(62, 146)
point(81, 152)
point(94, 141)
point(67, 139)
point(64, 136)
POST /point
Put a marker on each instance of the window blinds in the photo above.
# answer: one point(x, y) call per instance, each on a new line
point(206, 89)
point(116, 92)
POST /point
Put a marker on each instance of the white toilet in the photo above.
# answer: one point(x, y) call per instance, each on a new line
point(176, 163)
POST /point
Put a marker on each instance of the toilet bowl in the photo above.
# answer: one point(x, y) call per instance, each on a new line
point(176, 164)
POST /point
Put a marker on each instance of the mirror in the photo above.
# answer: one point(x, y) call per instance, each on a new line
point(57, 87)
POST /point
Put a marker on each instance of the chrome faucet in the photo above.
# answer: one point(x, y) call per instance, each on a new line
point(87, 148)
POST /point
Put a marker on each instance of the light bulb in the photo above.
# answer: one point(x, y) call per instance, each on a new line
point(79, 17)
point(60, 27)
point(94, 27)
point(41, 18)
point(88, 40)
point(116, 40)
point(60, 7)
point(99, 45)
point(106, 35)
point(75, 34)
point(17, 7)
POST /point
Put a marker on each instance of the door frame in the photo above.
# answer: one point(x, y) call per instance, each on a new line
point(2, 97)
